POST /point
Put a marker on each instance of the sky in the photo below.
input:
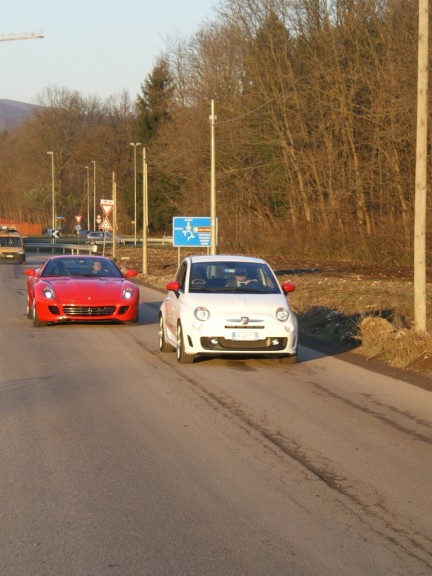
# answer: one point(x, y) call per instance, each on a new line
point(97, 47)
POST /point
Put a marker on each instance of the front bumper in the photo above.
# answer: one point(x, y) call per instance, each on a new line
point(12, 257)
point(272, 339)
point(115, 312)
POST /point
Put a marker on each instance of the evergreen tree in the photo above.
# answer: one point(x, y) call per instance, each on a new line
point(154, 104)
point(154, 111)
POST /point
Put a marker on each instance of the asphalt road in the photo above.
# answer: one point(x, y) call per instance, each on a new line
point(115, 460)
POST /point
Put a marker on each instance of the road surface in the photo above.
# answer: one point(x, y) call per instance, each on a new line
point(116, 460)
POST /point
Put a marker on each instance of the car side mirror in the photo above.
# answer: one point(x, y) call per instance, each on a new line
point(288, 287)
point(30, 272)
point(173, 286)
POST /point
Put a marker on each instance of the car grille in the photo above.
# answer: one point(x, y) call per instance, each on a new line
point(89, 310)
point(270, 344)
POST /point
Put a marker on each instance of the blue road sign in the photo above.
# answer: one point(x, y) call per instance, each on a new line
point(191, 231)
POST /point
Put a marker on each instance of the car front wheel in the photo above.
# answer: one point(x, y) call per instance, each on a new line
point(36, 321)
point(163, 344)
point(289, 359)
point(133, 322)
point(182, 356)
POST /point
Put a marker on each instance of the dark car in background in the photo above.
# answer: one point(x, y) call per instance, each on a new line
point(101, 237)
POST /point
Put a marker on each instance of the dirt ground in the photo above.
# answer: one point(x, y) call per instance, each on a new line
point(347, 306)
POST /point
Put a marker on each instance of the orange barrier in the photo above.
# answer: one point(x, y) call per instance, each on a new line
point(24, 228)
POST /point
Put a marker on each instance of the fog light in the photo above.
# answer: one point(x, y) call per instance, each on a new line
point(214, 341)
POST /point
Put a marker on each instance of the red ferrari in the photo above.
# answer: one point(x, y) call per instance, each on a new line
point(81, 289)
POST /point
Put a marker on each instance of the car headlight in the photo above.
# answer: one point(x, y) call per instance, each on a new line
point(201, 313)
point(48, 293)
point(127, 293)
point(282, 314)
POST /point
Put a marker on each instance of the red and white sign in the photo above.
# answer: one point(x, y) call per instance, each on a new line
point(78, 219)
point(107, 207)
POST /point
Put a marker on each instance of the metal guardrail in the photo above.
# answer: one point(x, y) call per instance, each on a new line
point(59, 248)
point(165, 240)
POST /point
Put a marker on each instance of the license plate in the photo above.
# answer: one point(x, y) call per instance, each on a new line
point(245, 335)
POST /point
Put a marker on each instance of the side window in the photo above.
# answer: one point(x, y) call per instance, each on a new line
point(181, 276)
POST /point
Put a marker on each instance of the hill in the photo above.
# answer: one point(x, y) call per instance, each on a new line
point(13, 112)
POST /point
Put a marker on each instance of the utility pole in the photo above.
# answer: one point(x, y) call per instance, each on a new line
point(88, 197)
point(53, 209)
point(213, 182)
point(421, 174)
point(114, 225)
point(94, 194)
point(135, 144)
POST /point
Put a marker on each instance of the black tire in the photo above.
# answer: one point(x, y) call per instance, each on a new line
point(163, 344)
point(291, 359)
point(182, 357)
point(29, 311)
point(133, 322)
point(36, 322)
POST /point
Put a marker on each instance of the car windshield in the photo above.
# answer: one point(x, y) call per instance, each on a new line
point(81, 267)
point(228, 277)
point(10, 241)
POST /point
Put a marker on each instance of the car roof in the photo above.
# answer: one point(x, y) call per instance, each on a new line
point(79, 257)
point(225, 258)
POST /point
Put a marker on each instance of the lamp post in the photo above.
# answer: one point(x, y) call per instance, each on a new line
point(94, 194)
point(53, 219)
point(88, 197)
point(135, 144)
point(145, 211)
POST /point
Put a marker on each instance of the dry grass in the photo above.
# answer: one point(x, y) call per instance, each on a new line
point(368, 311)
point(374, 316)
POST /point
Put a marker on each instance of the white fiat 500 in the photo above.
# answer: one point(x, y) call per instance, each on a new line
point(219, 305)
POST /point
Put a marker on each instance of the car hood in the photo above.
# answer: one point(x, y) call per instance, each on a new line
point(97, 289)
point(237, 303)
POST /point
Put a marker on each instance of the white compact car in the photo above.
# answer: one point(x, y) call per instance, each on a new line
point(219, 305)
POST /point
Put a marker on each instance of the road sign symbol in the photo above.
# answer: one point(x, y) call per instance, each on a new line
point(107, 207)
point(191, 231)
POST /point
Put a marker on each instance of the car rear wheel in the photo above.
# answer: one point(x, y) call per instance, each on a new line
point(182, 356)
point(163, 344)
point(29, 311)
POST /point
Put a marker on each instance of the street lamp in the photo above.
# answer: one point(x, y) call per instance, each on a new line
point(94, 194)
point(135, 144)
point(145, 211)
point(53, 193)
point(88, 197)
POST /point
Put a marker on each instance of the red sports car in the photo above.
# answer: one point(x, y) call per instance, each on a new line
point(81, 289)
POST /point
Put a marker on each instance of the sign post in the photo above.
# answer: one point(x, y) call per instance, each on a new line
point(192, 231)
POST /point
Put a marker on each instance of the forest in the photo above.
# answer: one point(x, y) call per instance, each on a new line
point(315, 134)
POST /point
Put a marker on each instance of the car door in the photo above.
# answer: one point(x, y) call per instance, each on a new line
point(173, 299)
